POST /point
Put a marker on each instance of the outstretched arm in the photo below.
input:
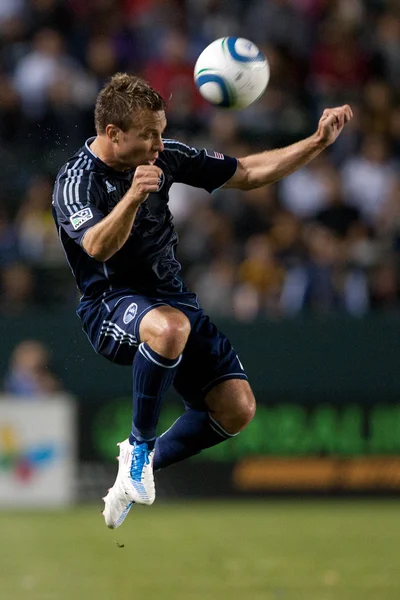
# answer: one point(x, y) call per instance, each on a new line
point(257, 170)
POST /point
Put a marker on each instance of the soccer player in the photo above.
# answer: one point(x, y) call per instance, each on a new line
point(110, 205)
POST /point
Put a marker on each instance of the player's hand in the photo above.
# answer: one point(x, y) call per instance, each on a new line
point(145, 181)
point(332, 122)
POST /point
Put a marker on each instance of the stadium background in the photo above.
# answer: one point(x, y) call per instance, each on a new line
point(302, 275)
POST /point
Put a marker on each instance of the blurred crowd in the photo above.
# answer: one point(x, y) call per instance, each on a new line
point(325, 239)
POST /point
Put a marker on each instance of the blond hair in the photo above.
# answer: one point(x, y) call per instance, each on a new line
point(121, 98)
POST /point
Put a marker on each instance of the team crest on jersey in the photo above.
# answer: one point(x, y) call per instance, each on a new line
point(80, 217)
point(130, 313)
point(161, 181)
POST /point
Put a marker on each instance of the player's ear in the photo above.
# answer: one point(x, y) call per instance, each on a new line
point(112, 133)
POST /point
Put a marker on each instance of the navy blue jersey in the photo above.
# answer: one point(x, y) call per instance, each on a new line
point(86, 190)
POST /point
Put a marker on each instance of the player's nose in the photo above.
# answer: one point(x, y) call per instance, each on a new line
point(159, 145)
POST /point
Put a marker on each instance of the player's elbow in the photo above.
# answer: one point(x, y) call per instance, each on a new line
point(99, 254)
point(96, 250)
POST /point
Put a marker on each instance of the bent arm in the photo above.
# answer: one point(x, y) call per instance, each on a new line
point(108, 236)
point(267, 167)
point(257, 170)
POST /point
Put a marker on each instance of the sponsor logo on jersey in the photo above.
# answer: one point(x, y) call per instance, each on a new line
point(80, 217)
point(110, 187)
point(213, 154)
point(130, 313)
point(161, 181)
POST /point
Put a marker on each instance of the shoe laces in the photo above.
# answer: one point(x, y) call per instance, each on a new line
point(140, 458)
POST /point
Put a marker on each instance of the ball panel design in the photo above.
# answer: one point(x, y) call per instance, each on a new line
point(243, 50)
point(214, 88)
point(231, 73)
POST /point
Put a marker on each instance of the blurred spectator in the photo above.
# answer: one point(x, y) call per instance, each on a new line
point(18, 290)
point(38, 241)
point(38, 70)
point(368, 176)
point(337, 216)
point(216, 284)
point(321, 284)
point(213, 19)
point(325, 239)
point(10, 112)
point(9, 251)
point(377, 107)
point(339, 64)
point(263, 273)
point(285, 235)
point(385, 287)
point(10, 9)
point(387, 40)
point(306, 191)
point(172, 75)
point(45, 65)
point(50, 14)
point(30, 373)
point(278, 22)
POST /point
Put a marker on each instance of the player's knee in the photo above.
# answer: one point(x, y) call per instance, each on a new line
point(175, 328)
point(168, 332)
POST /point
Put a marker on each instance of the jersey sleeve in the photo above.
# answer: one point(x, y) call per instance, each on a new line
point(75, 205)
point(205, 169)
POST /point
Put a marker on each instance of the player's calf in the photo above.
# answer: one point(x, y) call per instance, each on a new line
point(232, 405)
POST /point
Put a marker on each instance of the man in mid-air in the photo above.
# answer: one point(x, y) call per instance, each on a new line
point(110, 205)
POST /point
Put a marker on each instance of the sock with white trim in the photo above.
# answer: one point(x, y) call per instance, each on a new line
point(152, 376)
point(193, 432)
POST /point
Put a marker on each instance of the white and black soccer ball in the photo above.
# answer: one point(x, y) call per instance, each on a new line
point(231, 73)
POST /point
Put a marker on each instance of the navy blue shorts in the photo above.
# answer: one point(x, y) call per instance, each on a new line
point(112, 326)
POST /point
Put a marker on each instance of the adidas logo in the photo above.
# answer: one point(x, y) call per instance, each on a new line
point(110, 187)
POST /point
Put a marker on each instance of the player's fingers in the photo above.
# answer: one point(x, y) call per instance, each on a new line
point(147, 175)
point(348, 113)
point(329, 120)
point(334, 115)
point(145, 170)
point(339, 114)
point(344, 113)
point(151, 177)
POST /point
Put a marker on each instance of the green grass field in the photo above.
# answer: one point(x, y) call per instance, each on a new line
point(297, 550)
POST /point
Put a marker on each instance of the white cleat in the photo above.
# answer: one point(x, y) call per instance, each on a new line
point(134, 483)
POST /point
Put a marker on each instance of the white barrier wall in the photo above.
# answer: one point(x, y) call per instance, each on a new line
point(38, 451)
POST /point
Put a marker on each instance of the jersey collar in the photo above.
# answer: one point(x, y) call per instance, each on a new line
point(102, 165)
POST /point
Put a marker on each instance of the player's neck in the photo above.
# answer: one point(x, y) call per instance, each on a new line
point(101, 150)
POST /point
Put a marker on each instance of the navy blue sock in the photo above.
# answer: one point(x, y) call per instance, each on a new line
point(152, 376)
point(190, 434)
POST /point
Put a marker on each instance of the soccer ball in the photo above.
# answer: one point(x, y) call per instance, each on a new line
point(231, 73)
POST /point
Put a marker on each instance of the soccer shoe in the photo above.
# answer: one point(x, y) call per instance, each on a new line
point(116, 507)
point(134, 482)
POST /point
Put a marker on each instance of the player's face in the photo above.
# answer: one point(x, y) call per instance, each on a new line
point(141, 144)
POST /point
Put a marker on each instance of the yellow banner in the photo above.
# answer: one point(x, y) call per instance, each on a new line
point(280, 474)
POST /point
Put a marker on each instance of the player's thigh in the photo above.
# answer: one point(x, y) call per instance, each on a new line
point(119, 332)
point(232, 404)
point(208, 360)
